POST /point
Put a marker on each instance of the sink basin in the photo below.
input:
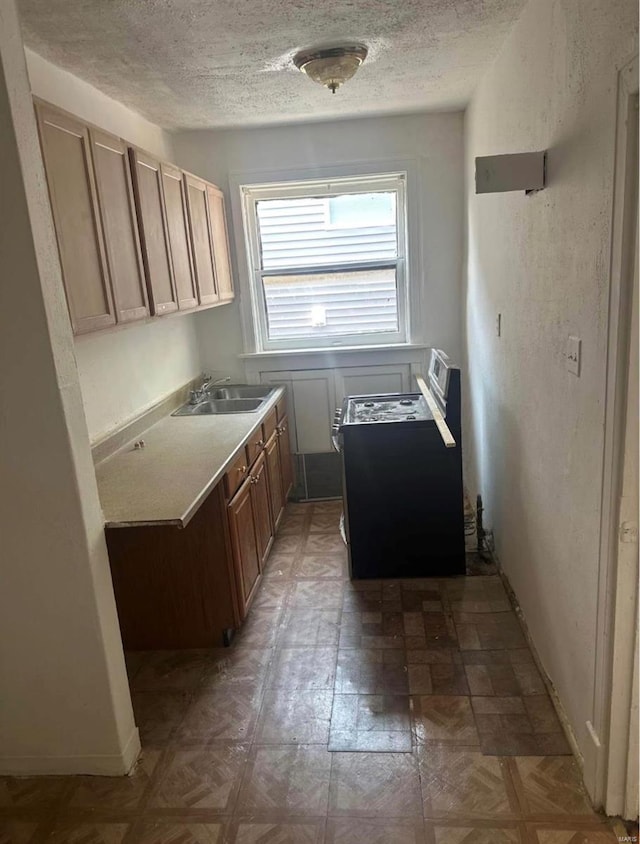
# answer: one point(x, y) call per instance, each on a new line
point(240, 391)
point(209, 407)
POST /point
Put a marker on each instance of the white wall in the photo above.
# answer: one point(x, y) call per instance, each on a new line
point(126, 370)
point(534, 432)
point(65, 699)
point(433, 147)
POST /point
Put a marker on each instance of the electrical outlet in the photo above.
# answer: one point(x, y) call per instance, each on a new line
point(499, 325)
point(573, 355)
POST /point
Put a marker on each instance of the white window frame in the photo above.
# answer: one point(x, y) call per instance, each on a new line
point(252, 193)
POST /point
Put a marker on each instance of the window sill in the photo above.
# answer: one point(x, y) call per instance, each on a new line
point(334, 350)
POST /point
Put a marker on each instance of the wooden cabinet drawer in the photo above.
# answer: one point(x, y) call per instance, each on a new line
point(254, 445)
point(235, 474)
point(269, 424)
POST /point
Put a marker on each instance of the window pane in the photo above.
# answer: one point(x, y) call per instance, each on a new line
point(327, 305)
point(323, 231)
point(355, 210)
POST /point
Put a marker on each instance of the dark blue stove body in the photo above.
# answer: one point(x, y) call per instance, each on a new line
point(402, 487)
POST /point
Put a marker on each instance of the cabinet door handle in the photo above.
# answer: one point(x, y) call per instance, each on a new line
point(260, 443)
point(254, 479)
point(242, 469)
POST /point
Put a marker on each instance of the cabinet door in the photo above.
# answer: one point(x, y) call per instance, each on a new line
point(119, 225)
point(198, 207)
point(244, 544)
point(286, 464)
point(220, 240)
point(274, 471)
point(67, 159)
point(178, 227)
point(156, 251)
point(261, 508)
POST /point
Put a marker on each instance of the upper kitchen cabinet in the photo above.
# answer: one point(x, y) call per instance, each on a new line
point(147, 179)
point(199, 222)
point(175, 202)
point(136, 235)
point(220, 240)
point(119, 225)
point(67, 156)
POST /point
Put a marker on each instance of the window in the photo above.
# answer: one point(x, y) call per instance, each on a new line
point(327, 262)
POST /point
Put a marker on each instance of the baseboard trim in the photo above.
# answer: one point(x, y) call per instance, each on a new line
point(553, 694)
point(116, 765)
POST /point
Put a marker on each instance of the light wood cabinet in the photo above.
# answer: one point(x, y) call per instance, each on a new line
point(119, 225)
point(136, 235)
point(244, 545)
point(67, 156)
point(154, 235)
point(220, 241)
point(203, 260)
point(178, 226)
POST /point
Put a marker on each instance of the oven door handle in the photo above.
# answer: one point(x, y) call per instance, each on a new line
point(445, 433)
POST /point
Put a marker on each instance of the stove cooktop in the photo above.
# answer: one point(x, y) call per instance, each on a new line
point(409, 407)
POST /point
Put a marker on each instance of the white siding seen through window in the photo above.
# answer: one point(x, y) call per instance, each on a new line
point(328, 264)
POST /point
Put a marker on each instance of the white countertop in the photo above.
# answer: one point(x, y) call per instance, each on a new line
point(183, 459)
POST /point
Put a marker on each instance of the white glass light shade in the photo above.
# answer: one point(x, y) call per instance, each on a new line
point(333, 66)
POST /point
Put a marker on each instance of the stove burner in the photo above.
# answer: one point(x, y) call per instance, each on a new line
point(388, 407)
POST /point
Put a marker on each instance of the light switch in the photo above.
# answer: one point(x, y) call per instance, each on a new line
point(573, 355)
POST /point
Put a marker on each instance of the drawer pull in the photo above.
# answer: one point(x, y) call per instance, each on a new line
point(241, 469)
point(260, 443)
point(254, 479)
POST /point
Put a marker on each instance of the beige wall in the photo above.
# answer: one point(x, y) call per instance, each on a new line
point(125, 370)
point(534, 432)
point(65, 698)
point(431, 145)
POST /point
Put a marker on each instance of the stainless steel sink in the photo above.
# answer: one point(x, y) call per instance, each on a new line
point(209, 407)
point(240, 391)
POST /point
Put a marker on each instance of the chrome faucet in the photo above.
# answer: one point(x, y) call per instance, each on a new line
point(200, 392)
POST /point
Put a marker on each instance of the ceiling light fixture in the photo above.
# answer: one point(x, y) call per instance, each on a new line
point(331, 66)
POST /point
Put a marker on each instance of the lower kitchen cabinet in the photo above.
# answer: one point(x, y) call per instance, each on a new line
point(175, 588)
point(274, 470)
point(242, 525)
point(261, 509)
point(192, 587)
point(251, 528)
point(286, 464)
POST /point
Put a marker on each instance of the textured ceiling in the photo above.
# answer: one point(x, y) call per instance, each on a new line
point(217, 63)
